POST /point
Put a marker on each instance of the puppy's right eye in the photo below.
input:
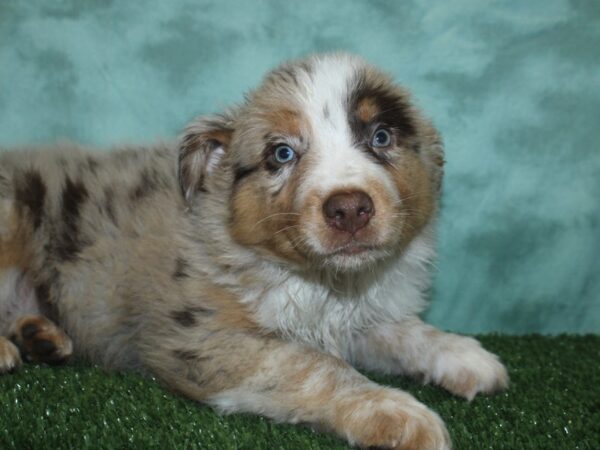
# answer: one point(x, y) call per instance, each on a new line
point(284, 154)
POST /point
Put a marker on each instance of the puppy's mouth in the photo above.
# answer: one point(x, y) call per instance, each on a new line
point(352, 248)
point(353, 255)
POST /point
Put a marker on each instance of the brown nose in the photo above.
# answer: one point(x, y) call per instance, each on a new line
point(349, 211)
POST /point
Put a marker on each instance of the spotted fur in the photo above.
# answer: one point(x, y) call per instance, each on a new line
point(209, 263)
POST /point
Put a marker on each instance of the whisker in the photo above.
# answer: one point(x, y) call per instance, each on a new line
point(285, 228)
point(408, 197)
point(401, 214)
point(275, 215)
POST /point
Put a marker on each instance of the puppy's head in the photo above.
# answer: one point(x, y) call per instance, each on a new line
point(326, 164)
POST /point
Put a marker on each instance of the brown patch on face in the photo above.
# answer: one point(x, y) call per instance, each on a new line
point(262, 213)
point(268, 224)
point(416, 191)
point(374, 98)
point(367, 109)
point(284, 121)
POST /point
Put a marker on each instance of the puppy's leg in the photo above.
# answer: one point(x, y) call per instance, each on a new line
point(457, 363)
point(40, 340)
point(37, 337)
point(238, 371)
point(9, 356)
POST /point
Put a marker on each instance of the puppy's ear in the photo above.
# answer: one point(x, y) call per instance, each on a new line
point(201, 150)
point(433, 146)
point(439, 161)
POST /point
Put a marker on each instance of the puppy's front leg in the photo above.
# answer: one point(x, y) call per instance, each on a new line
point(239, 371)
point(457, 363)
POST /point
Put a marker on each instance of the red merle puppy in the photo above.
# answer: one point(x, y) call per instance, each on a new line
point(253, 264)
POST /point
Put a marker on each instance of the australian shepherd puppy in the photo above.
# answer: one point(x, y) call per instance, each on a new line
point(252, 264)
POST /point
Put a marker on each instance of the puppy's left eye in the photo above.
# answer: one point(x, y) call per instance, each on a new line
point(284, 154)
point(381, 138)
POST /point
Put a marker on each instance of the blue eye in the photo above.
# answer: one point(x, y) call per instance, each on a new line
point(284, 154)
point(381, 138)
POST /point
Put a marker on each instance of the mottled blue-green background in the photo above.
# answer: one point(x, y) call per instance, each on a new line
point(514, 87)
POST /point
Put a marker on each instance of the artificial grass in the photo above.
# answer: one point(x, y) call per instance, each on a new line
point(553, 403)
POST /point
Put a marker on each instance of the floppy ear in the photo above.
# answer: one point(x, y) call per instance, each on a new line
point(439, 161)
point(432, 146)
point(201, 149)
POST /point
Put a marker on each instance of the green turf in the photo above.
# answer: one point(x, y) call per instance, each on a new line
point(553, 403)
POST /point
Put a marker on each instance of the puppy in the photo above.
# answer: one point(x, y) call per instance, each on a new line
point(252, 264)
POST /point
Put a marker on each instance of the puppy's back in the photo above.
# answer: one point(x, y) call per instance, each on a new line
point(58, 185)
point(91, 230)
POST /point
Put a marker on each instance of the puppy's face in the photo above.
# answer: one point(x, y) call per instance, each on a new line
point(327, 164)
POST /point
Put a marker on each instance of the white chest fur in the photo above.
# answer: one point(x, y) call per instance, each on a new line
point(326, 313)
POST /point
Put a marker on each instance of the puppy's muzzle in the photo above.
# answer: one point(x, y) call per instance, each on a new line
point(349, 211)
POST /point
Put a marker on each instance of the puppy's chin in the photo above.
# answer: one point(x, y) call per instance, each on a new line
point(345, 262)
point(354, 257)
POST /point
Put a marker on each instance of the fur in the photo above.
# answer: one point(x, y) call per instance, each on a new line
point(210, 264)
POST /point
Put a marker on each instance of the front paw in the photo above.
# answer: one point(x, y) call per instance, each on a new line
point(40, 340)
point(387, 418)
point(466, 369)
point(10, 359)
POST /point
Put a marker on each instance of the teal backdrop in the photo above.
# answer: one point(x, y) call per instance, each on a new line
point(514, 87)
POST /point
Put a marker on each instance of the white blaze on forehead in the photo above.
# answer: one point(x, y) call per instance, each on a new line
point(325, 101)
